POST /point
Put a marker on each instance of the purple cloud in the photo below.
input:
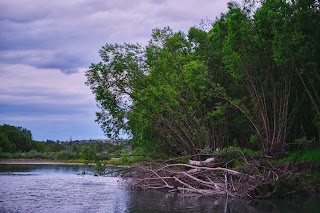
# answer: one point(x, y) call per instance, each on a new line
point(45, 46)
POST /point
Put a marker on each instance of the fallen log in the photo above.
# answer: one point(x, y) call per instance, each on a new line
point(200, 163)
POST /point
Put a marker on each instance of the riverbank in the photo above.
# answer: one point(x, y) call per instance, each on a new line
point(105, 164)
point(229, 172)
point(38, 161)
point(233, 173)
point(41, 188)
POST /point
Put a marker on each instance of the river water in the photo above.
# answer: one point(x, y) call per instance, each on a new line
point(63, 188)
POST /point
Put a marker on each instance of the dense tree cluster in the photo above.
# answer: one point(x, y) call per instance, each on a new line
point(251, 80)
point(15, 139)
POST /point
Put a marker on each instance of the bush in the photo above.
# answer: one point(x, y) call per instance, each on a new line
point(5, 155)
point(103, 156)
point(305, 143)
point(127, 160)
point(120, 153)
point(33, 154)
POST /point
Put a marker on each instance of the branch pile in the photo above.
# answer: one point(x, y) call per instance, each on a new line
point(207, 178)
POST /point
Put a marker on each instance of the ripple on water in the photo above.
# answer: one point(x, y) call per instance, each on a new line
point(18, 174)
point(62, 190)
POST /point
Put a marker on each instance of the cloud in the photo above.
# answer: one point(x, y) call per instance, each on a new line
point(39, 58)
point(68, 34)
point(28, 93)
point(25, 84)
point(45, 46)
point(52, 104)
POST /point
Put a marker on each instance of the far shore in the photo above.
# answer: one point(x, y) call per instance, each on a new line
point(53, 162)
point(36, 161)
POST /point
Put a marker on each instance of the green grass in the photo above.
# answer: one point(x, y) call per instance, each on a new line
point(303, 155)
point(128, 160)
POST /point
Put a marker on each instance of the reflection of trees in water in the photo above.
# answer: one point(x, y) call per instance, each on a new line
point(157, 201)
point(41, 168)
point(16, 168)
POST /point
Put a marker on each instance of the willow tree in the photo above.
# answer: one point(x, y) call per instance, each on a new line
point(159, 94)
point(112, 83)
point(298, 44)
point(246, 45)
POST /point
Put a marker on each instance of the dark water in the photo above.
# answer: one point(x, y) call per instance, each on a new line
point(59, 188)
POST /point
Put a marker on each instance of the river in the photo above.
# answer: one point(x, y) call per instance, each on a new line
point(64, 188)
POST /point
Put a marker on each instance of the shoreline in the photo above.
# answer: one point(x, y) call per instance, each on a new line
point(184, 177)
point(35, 162)
point(22, 161)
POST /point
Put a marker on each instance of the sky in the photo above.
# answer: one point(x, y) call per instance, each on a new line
point(46, 46)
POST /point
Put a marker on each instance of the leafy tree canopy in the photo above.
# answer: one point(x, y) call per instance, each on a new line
point(15, 138)
point(251, 80)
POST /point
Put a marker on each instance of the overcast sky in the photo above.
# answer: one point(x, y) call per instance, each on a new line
point(45, 47)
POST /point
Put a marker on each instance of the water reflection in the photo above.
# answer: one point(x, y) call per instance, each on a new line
point(174, 202)
point(58, 188)
point(39, 169)
point(156, 201)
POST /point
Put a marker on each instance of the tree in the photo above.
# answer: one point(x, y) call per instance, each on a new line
point(20, 137)
point(88, 154)
point(243, 82)
point(5, 144)
point(159, 93)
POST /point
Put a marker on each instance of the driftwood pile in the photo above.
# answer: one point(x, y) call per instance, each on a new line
point(206, 177)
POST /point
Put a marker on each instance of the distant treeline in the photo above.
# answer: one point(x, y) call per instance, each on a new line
point(17, 142)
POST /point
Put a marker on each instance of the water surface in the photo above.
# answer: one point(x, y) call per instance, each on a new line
point(62, 188)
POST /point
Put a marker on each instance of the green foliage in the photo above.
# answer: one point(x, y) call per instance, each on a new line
point(316, 120)
point(130, 159)
point(88, 154)
point(5, 155)
point(234, 152)
point(120, 152)
point(15, 138)
point(305, 143)
point(99, 169)
point(39, 146)
point(310, 178)
point(5, 144)
point(103, 156)
point(303, 155)
point(251, 80)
